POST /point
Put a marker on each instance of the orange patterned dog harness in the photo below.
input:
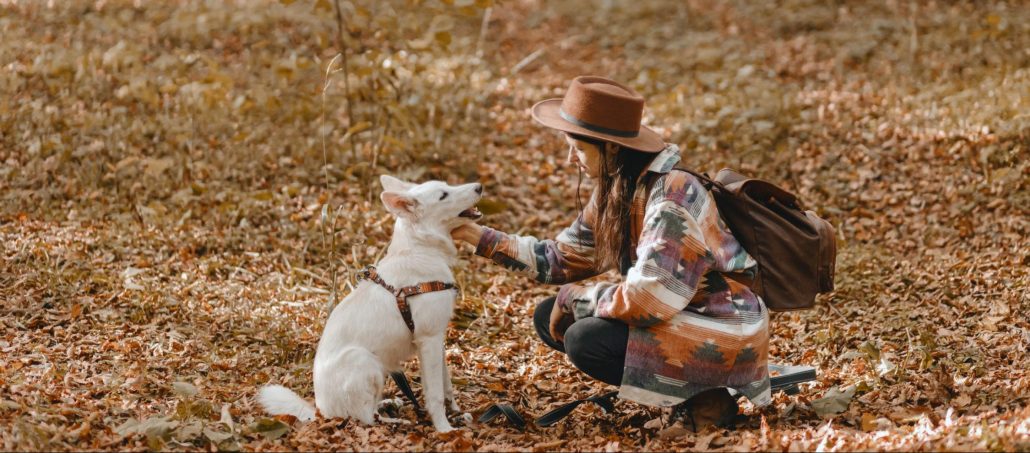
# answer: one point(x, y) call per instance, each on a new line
point(402, 295)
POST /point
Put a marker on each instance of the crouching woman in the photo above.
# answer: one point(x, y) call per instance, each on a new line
point(680, 328)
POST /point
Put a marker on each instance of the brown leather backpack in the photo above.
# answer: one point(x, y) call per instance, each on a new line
point(795, 249)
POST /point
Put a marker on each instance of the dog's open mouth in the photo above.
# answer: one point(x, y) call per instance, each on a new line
point(471, 213)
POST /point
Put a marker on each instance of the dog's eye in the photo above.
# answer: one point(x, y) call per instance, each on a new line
point(443, 196)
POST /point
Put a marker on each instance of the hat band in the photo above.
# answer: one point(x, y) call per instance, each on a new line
point(596, 128)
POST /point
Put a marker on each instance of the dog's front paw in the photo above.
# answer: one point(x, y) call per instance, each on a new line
point(443, 427)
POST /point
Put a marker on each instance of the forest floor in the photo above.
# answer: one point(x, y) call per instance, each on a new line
point(183, 186)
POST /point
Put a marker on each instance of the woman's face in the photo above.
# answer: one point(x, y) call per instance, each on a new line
point(584, 155)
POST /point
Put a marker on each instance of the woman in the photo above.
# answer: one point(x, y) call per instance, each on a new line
point(680, 327)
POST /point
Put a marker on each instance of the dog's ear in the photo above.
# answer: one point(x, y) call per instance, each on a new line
point(400, 204)
point(391, 184)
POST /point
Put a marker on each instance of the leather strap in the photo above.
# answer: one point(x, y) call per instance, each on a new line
point(603, 400)
point(787, 379)
point(402, 383)
point(509, 412)
point(402, 295)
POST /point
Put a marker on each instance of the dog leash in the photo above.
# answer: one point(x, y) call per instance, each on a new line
point(402, 295)
point(402, 383)
point(786, 379)
point(605, 401)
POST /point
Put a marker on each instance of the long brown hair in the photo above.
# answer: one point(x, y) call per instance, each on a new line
point(613, 198)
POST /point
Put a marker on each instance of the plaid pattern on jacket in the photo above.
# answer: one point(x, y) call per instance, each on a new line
point(693, 325)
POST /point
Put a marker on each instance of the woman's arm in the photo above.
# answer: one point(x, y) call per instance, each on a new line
point(672, 258)
point(568, 258)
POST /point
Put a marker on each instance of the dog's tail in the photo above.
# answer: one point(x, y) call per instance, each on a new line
point(279, 400)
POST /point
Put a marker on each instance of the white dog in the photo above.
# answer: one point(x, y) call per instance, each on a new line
point(366, 337)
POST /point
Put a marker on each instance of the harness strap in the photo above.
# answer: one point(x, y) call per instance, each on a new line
point(402, 295)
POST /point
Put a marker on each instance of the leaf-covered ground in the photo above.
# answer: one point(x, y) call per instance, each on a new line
point(166, 251)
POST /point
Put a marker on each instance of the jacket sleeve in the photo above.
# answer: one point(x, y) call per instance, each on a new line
point(672, 258)
point(568, 258)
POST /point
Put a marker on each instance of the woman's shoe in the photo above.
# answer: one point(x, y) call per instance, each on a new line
point(715, 407)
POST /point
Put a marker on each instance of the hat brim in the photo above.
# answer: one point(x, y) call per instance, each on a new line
point(546, 113)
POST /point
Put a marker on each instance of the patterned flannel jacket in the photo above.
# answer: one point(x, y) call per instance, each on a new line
point(693, 325)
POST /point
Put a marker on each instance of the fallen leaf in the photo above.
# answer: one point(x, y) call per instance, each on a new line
point(703, 443)
point(216, 437)
point(868, 422)
point(962, 400)
point(75, 311)
point(673, 432)
point(154, 167)
point(654, 423)
point(833, 402)
point(885, 366)
point(270, 428)
point(184, 389)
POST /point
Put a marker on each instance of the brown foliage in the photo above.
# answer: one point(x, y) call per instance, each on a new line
point(165, 250)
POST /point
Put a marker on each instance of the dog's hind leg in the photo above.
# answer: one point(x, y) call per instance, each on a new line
point(349, 384)
point(366, 387)
point(363, 399)
point(431, 360)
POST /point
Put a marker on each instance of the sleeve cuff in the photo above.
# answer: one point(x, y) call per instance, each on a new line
point(488, 242)
point(566, 295)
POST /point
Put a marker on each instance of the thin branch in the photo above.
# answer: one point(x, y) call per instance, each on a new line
point(482, 31)
point(328, 190)
point(325, 155)
point(529, 59)
point(341, 25)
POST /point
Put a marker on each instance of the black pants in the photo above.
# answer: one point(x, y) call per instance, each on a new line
point(596, 346)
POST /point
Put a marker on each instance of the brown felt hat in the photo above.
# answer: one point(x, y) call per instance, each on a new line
point(603, 109)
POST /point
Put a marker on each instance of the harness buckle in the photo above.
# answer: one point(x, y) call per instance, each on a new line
point(366, 272)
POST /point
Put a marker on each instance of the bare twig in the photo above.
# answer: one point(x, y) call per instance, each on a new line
point(328, 189)
point(836, 311)
point(332, 264)
point(913, 42)
point(382, 137)
point(313, 275)
point(529, 59)
point(342, 47)
point(482, 32)
point(325, 88)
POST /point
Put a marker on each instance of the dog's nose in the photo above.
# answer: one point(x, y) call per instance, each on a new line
point(479, 189)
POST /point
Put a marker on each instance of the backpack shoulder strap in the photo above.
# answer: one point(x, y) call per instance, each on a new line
point(706, 180)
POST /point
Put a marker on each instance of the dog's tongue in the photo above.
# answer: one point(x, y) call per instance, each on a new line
point(472, 213)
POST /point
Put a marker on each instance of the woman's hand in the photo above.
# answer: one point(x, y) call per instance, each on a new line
point(469, 232)
point(556, 327)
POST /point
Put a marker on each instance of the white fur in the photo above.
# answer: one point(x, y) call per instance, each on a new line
point(277, 399)
point(365, 337)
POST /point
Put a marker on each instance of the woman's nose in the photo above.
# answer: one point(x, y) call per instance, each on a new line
point(572, 156)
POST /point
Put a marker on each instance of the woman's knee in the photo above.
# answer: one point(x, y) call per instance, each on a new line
point(542, 315)
point(542, 323)
point(598, 348)
point(577, 339)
